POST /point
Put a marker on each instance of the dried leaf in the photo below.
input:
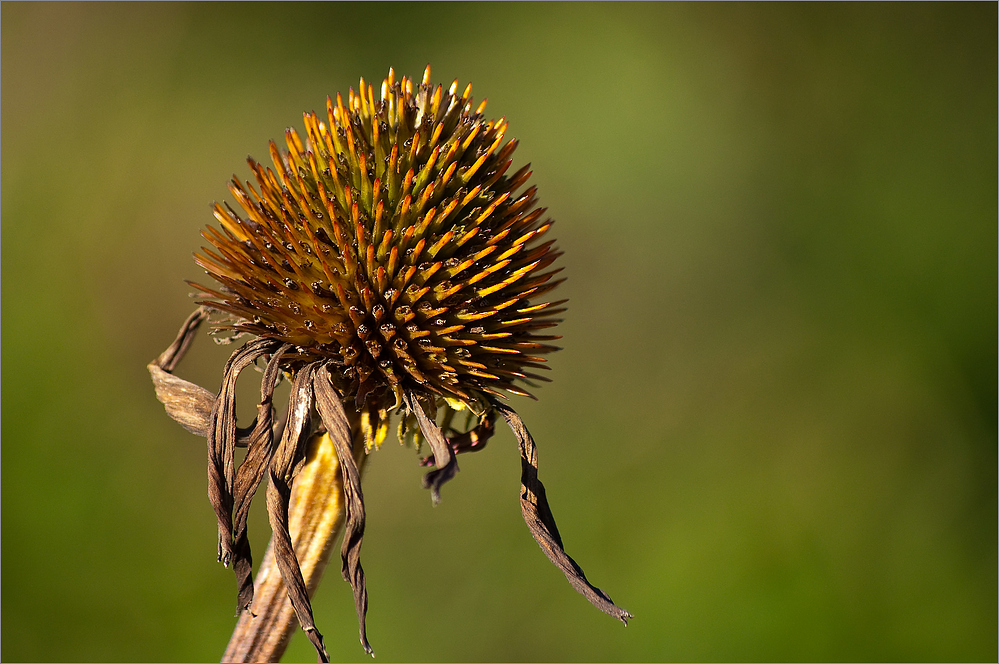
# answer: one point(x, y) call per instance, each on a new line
point(335, 420)
point(286, 461)
point(539, 518)
point(444, 458)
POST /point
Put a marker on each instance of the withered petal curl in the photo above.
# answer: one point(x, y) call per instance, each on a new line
point(335, 420)
point(286, 461)
point(187, 403)
point(169, 358)
point(444, 459)
point(541, 522)
point(249, 475)
point(222, 442)
point(473, 440)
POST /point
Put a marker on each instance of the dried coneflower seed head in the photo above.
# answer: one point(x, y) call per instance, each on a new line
point(394, 241)
point(387, 264)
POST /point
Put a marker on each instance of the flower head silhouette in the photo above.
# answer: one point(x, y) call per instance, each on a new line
point(387, 265)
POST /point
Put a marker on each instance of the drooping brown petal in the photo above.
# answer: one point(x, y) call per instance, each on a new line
point(335, 420)
point(248, 476)
point(222, 442)
point(473, 440)
point(169, 358)
point(286, 461)
point(263, 632)
point(185, 402)
point(444, 459)
point(189, 404)
point(541, 522)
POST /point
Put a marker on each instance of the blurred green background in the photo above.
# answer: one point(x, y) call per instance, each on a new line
point(772, 433)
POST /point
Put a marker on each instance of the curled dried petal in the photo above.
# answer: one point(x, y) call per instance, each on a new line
point(444, 458)
point(222, 442)
point(473, 440)
point(335, 420)
point(248, 476)
point(541, 522)
point(287, 460)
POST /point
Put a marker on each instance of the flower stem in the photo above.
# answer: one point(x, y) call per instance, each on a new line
point(316, 516)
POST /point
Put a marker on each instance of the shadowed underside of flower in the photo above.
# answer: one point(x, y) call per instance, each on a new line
point(386, 265)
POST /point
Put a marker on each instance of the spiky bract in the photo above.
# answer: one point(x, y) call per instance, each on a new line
point(394, 242)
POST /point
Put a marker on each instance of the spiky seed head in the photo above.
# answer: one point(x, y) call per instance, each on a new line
point(393, 241)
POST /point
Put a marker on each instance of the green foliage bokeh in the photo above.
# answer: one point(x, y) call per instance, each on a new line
point(772, 431)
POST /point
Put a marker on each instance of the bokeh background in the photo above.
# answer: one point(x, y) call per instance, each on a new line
point(772, 433)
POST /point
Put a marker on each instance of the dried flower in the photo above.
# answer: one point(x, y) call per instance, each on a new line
point(388, 264)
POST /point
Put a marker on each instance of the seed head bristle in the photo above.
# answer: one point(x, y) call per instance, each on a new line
point(393, 241)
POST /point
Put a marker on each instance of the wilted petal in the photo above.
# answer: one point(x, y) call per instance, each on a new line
point(185, 402)
point(444, 458)
point(541, 522)
point(248, 476)
point(473, 440)
point(169, 358)
point(335, 420)
point(222, 442)
point(287, 460)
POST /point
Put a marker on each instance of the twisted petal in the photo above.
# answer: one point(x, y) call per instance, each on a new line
point(444, 459)
point(169, 358)
point(334, 418)
point(287, 460)
point(471, 441)
point(248, 476)
point(541, 522)
point(185, 402)
point(222, 442)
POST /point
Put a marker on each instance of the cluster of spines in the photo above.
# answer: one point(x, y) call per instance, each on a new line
point(395, 241)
